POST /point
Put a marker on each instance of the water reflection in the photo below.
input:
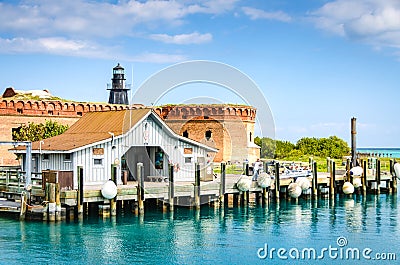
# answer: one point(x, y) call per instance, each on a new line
point(212, 235)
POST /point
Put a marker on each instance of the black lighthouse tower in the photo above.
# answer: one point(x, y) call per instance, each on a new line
point(118, 91)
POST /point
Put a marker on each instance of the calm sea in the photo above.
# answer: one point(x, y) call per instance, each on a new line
point(382, 152)
point(335, 230)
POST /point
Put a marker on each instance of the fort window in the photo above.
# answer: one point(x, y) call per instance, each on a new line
point(208, 135)
point(185, 134)
point(50, 112)
point(20, 111)
point(67, 157)
point(98, 161)
point(206, 117)
point(79, 113)
point(250, 136)
point(184, 116)
point(188, 160)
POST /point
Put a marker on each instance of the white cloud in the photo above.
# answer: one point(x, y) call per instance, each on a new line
point(192, 38)
point(89, 18)
point(86, 27)
point(65, 47)
point(375, 22)
point(255, 14)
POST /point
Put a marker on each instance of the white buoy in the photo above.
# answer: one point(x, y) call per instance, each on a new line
point(244, 183)
point(348, 188)
point(396, 168)
point(294, 190)
point(356, 171)
point(304, 183)
point(109, 190)
point(357, 182)
point(264, 180)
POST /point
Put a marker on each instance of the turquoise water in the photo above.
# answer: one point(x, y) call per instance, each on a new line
point(384, 152)
point(215, 236)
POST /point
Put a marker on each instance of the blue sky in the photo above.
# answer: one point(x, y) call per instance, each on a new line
point(318, 63)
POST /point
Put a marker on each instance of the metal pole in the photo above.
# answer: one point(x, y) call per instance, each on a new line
point(28, 163)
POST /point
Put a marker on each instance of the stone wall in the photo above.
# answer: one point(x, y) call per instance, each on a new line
point(230, 128)
point(15, 113)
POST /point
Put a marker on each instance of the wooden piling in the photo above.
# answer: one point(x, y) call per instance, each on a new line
point(80, 192)
point(197, 186)
point(394, 177)
point(22, 212)
point(113, 201)
point(348, 176)
point(353, 142)
point(52, 203)
point(171, 188)
point(314, 185)
point(277, 182)
point(58, 202)
point(332, 179)
point(265, 196)
point(364, 178)
point(140, 188)
point(378, 176)
point(222, 184)
point(328, 164)
point(246, 168)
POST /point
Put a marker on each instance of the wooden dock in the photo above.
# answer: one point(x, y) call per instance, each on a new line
point(50, 203)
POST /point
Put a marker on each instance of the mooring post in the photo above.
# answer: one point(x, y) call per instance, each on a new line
point(348, 170)
point(328, 164)
point(378, 176)
point(222, 184)
point(364, 178)
point(80, 192)
point(113, 201)
point(197, 186)
point(277, 182)
point(314, 180)
point(171, 188)
point(58, 202)
point(394, 177)
point(332, 179)
point(140, 188)
point(52, 202)
point(22, 212)
point(353, 142)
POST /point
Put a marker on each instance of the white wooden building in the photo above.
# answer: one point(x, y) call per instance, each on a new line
point(102, 139)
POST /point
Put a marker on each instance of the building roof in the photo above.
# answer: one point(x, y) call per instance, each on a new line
point(93, 127)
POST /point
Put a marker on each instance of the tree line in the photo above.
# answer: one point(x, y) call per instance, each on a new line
point(332, 146)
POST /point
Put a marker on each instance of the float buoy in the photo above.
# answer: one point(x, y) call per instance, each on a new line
point(357, 182)
point(109, 190)
point(304, 183)
point(264, 180)
point(396, 168)
point(294, 190)
point(244, 183)
point(356, 171)
point(348, 188)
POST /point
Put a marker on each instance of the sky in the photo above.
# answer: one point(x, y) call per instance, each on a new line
point(318, 63)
